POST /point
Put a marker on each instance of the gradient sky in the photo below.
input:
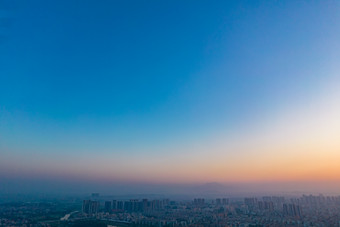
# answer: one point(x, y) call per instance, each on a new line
point(170, 91)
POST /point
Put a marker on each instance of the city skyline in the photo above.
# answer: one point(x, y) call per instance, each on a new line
point(169, 93)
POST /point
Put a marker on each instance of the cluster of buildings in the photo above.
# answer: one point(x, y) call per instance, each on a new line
point(90, 207)
point(251, 211)
point(132, 205)
point(292, 210)
point(33, 214)
point(307, 210)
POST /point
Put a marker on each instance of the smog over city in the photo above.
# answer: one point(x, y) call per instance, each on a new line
point(169, 113)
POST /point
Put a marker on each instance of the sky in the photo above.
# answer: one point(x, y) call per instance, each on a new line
point(169, 92)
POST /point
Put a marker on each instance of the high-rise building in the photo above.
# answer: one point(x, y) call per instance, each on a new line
point(95, 195)
point(145, 204)
point(86, 206)
point(90, 207)
point(95, 207)
point(108, 206)
point(292, 210)
point(260, 205)
point(128, 206)
point(218, 201)
point(269, 205)
point(199, 202)
point(250, 201)
point(114, 204)
point(120, 205)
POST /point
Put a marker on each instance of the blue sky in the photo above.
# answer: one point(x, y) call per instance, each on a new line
point(126, 78)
